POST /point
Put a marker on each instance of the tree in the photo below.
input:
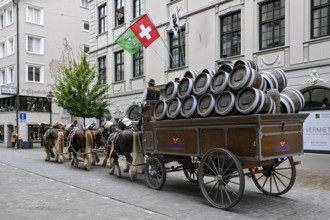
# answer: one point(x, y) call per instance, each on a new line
point(80, 91)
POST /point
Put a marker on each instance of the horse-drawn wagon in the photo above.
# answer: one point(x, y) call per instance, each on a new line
point(218, 152)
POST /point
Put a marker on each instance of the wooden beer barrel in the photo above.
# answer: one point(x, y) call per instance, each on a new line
point(190, 74)
point(248, 63)
point(225, 103)
point(219, 82)
point(185, 87)
point(170, 90)
point(202, 84)
point(173, 108)
point(210, 71)
point(228, 67)
point(160, 110)
point(253, 101)
point(292, 101)
point(189, 106)
point(205, 105)
point(243, 76)
point(275, 79)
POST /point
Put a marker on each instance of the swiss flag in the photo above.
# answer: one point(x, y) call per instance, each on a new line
point(145, 30)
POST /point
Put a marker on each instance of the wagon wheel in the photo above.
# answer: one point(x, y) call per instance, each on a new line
point(221, 178)
point(155, 173)
point(191, 169)
point(276, 179)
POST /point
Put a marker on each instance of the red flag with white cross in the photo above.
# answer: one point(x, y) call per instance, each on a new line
point(145, 30)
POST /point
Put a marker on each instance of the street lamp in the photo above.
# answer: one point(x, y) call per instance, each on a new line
point(50, 99)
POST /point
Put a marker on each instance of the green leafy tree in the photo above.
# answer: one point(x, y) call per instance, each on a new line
point(81, 92)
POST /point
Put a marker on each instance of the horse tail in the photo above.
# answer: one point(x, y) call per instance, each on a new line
point(138, 157)
point(60, 146)
point(88, 149)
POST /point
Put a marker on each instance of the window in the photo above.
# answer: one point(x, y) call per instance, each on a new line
point(317, 98)
point(272, 27)
point(320, 18)
point(9, 17)
point(177, 49)
point(2, 133)
point(34, 15)
point(138, 6)
point(85, 25)
point(86, 48)
point(120, 15)
point(34, 133)
point(230, 35)
point(138, 63)
point(2, 77)
point(2, 21)
point(2, 49)
point(34, 73)
point(84, 3)
point(10, 75)
point(35, 45)
point(10, 46)
point(102, 17)
point(102, 69)
point(119, 66)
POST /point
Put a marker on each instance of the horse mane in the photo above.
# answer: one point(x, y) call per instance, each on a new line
point(89, 141)
point(59, 146)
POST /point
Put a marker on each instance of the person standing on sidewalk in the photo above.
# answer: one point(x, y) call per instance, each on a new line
point(13, 139)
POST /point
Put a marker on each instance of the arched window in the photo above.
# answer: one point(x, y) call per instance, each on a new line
point(316, 98)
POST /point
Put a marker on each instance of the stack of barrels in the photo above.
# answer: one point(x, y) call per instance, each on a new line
point(233, 89)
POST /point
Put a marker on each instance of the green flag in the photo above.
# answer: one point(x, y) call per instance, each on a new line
point(129, 41)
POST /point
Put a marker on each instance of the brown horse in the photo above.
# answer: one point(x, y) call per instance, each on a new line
point(127, 143)
point(99, 143)
point(52, 138)
point(86, 144)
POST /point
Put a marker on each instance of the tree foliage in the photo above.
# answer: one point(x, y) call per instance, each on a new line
point(80, 91)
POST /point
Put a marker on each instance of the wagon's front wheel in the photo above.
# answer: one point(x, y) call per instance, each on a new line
point(276, 179)
point(155, 173)
point(221, 178)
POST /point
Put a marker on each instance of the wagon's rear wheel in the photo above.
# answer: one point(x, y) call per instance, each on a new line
point(155, 172)
point(221, 178)
point(191, 169)
point(276, 179)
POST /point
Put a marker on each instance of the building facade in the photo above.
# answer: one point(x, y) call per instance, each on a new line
point(36, 36)
point(292, 35)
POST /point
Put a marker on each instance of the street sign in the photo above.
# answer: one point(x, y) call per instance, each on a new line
point(22, 116)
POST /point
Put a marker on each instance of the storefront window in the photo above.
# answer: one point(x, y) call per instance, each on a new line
point(2, 130)
point(34, 133)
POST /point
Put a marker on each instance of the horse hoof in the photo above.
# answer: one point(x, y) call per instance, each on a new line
point(110, 173)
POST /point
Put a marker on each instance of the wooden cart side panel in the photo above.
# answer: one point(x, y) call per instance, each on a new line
point(177, 141)
point(149, 145)
point(212, 138)
point(275, 145)
point(243, 141)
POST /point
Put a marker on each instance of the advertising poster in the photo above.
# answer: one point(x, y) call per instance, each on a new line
point(317, 131)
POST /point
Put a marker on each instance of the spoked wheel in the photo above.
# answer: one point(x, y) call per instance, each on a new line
point(191, 169)
point(221, 178)
point(276, 179)
point(155, 173)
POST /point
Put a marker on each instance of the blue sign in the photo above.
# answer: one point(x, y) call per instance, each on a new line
point(22, 116)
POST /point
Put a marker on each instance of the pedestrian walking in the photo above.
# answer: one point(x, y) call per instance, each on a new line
point(13, 139)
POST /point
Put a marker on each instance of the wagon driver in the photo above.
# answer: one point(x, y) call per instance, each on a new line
point(149, 94)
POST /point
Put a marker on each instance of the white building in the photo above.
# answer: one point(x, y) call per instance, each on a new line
point(33, 35)
point(290, 34)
